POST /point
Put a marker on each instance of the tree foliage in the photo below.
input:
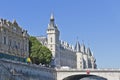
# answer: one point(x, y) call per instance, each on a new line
point(38, 52)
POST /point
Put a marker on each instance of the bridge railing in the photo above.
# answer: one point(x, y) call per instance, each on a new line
point(98, 70)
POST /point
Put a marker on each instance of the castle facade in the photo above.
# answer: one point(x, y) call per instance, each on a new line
point(14, 41)
point(65, 55)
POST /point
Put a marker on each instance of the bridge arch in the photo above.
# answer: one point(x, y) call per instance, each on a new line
point(106, 74)
point(80, 76)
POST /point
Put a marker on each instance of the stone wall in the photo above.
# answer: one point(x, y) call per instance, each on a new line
point(24, 71)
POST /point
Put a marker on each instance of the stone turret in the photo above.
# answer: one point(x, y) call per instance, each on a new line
point(15, 23)
point(83, 48)
point(89, 52)
point(77, 47)
point(79, 56)
point(93, 62)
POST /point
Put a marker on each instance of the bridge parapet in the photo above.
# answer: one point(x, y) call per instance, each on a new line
point(94, 70)
point(109, 74)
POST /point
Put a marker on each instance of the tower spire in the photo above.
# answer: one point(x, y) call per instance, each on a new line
point(52, 24)
point(77, 46)
point(83, 47)
point(89, 52)
point(52, 16)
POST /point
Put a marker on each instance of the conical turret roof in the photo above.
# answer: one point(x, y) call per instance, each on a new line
point(89, 52)
point(77, 46)
point(83, 48)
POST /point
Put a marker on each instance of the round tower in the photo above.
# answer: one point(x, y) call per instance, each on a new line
point(79, 58)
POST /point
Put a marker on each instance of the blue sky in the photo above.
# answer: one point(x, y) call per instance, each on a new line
point(96, 22)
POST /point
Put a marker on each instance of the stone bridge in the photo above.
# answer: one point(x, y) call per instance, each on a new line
point(77, 74)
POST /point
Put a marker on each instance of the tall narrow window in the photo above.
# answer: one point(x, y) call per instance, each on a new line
point(51, 47)
point(26, 47)
point(19, 45)
point(4, 40)
point(4, 30)
point(51, 40)
point(15, 45)
point(9, 43)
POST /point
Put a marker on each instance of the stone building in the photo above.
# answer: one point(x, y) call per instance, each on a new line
point(65, 55)
point(14, 40)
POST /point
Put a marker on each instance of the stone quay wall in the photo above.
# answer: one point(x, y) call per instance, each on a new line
point(23, 71)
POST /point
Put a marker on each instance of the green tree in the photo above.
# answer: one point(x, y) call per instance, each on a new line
point(38, 52)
